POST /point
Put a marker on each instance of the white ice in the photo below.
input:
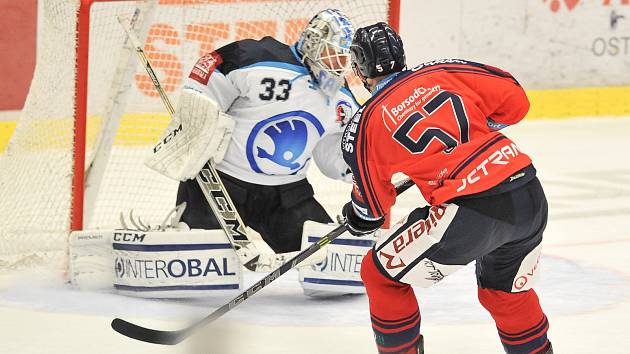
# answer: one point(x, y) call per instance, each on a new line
point(584, 286)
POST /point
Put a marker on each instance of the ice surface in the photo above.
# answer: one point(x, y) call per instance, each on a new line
point(584, 285)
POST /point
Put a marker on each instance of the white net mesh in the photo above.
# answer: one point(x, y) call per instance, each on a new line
point(36, 169)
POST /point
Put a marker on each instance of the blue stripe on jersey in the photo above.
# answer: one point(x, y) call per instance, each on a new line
point(276, 64)
point(176, 287)
point(170, 248)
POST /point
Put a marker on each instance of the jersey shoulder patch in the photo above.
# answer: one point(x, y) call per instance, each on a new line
point(204, 67)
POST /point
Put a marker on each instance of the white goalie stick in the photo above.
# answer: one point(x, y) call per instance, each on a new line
point(212, 187)
point(155, 336)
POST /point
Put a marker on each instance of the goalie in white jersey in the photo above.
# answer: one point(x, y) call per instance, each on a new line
point(289, 104)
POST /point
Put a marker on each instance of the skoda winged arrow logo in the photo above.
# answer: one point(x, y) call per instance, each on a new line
point(290, 141)
point(281, 144)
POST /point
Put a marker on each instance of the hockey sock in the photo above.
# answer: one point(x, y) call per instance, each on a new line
point(520, 321)
point(393, 310)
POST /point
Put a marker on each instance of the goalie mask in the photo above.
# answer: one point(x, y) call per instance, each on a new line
point(325, 48)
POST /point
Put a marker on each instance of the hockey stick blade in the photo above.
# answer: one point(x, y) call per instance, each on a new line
point(147, 334)
point(155, 336)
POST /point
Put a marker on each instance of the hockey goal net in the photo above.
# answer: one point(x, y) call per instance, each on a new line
point(75, 158)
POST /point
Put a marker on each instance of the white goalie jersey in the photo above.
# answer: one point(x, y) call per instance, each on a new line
point(280, 114)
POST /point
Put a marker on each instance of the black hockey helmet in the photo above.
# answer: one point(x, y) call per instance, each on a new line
point(377, 50)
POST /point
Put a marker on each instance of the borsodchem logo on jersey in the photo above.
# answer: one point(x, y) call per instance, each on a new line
point(282, 144)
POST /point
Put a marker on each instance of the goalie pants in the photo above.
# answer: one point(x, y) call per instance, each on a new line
point(277, 213)
point(501, 232)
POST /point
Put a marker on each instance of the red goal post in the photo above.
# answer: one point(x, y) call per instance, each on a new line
point(75, 159)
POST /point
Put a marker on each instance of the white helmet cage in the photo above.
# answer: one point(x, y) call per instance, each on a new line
point(325, 43)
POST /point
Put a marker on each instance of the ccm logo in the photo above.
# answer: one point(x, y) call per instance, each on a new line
point(167, 138)
point(129, 236)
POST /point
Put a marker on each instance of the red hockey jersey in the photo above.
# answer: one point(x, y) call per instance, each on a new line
point(437, 124)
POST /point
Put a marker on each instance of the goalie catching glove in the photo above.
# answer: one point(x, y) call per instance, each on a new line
point(198, 132)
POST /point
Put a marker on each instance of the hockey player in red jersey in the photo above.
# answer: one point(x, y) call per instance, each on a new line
point(438, 124)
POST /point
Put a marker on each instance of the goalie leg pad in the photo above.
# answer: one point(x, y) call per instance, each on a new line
point(91, 259)
point(339, 271)
point(152, 264)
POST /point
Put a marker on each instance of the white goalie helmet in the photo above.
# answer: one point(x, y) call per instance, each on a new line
point(325, 48)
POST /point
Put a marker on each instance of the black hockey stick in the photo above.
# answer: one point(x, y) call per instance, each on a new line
point(173, 337)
